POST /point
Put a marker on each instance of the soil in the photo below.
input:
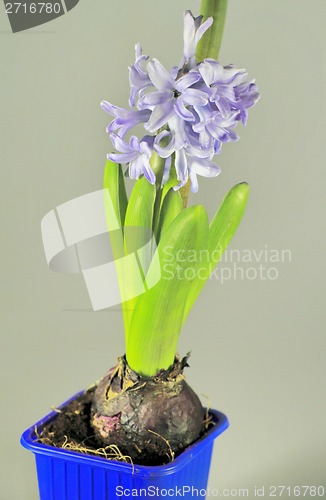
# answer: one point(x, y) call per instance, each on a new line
point(72, 425)
point(71, 430)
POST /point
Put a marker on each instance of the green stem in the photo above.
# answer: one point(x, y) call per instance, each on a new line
point(184, 193)
point(209, 45)
point(157, 164)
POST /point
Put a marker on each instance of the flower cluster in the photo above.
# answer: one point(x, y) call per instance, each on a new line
point(187, 112)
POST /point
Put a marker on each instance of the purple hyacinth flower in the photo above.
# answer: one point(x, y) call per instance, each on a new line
point(229, 90)
point(222, 82)
point(136, 153)
point(171, 97)
point(212, 127)
point(175, 138)
point(193, 31)
point(188, 166)
point(138, 76)
point(188, 163)
point(125, 118)
point(191, 111)
point(247, 95)
point(203, 167)
point(190, 159)
point(180, 136)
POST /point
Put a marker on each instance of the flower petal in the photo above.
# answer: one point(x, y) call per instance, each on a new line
point(194, 181)
point(148, 172)
point(123, 157)
point(147, 144)
point(108, 108)
point(159, 76)
point(134, 143)
point(187, 80)
point(195, 97)
point(177, 126)
point(204, 167)
point(182, 111)
point(135, 168)
point(203, 28)
point(138, 76)
point(211, 71)
point(192, 33)
point(155, 98)
point(160, 115)
point(223, 106)
point(166, 171)
point(121, 145)
point(189, 33)
point(164, 151)
point(181, 165)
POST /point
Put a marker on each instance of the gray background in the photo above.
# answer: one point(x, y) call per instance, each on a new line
point(258, 346)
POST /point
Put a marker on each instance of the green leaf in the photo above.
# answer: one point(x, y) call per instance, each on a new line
point(139, 214)
point(221, 232)
point(171, 207)
point(209, 45)
point(115, 203)
point(172, 180)
point(114, 182)
point(157, 164)
point(137, 235)
point(158, 316)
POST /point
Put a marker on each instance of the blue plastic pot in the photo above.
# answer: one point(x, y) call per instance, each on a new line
point(67, 475)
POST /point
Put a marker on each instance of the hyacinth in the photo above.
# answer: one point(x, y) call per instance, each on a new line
point(187, 112)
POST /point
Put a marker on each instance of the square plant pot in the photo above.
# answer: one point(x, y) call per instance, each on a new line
point(68, 475)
